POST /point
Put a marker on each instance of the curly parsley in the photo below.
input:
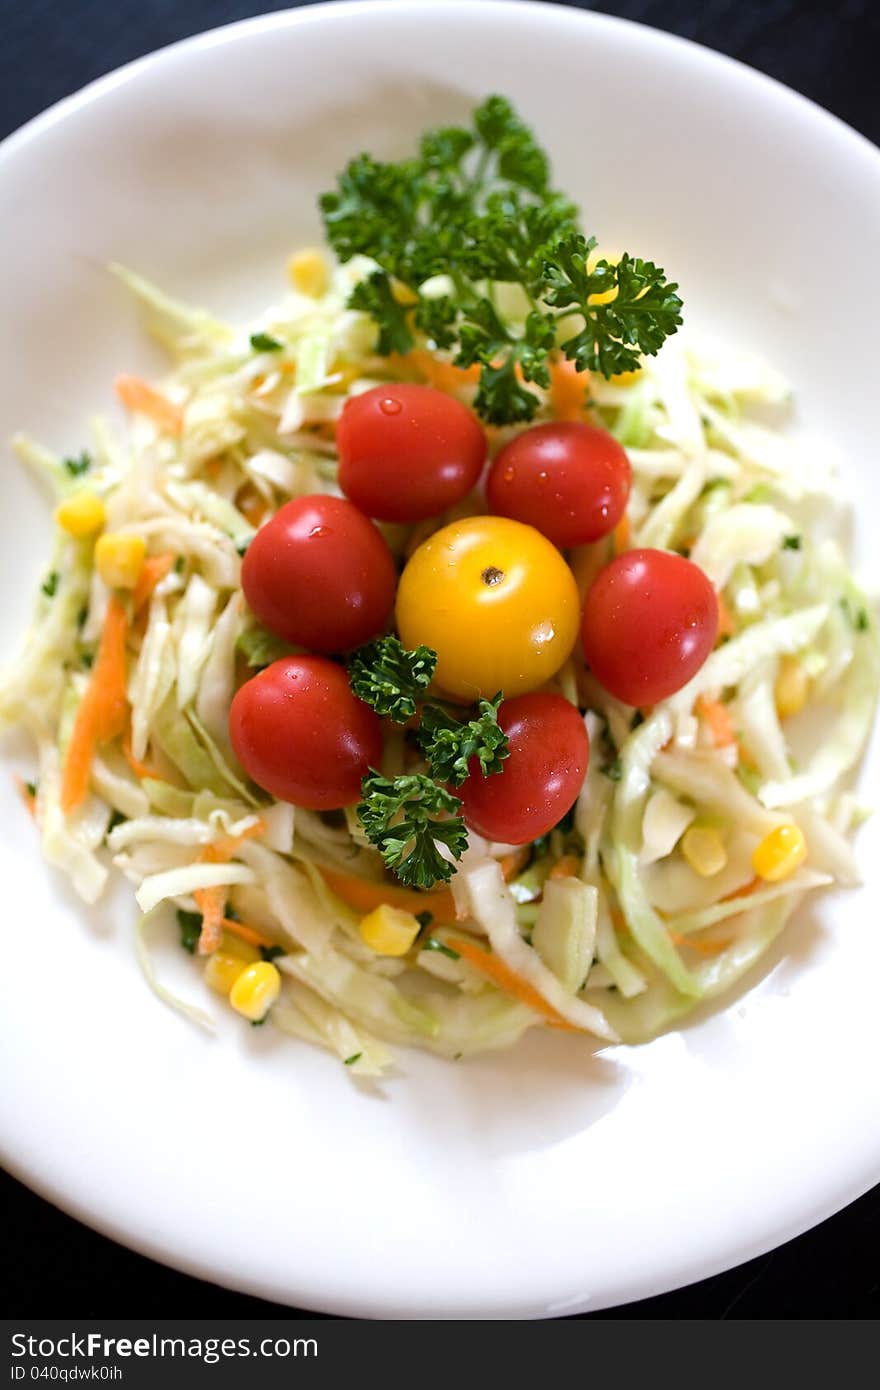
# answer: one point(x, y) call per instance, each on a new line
point(385, 675)
point(449, 744)
point(407, 819)
point(475, 208)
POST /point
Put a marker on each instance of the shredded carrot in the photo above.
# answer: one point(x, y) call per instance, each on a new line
point(102, 710)
point(137, 394)
point(508, 981)
point(138, 768)
point(751, 887)
point(154, 570)
point(726, 626)
point(250, 503)
point(513, 864)
point(716, 716)
point(569, 389)
point(211, 902)
point(246, 933)
point(26, 795)
point(566, 867)
point(703, 948)
point(364, 895)
point(443, 376)
point(621, 535)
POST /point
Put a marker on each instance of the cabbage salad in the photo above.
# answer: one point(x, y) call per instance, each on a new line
point(703, 818)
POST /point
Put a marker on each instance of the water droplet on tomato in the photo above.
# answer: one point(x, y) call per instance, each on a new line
point(320, 531)
point(544, 632)
point(389, 406)
point(508, 473)
point(542, 476)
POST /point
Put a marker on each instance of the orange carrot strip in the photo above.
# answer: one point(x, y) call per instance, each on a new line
point(250, 503)
point(138, 768)
point(246, 933)
point(716, 716)
point(102, 710)
point(443, 376)
point(566, 867)
point(621, 535)
point(513, 864)
point(154, 570)
point(746, 892)
point(508, 981)
point(569, 389)
point(137, 394)
point(704, 948)
point(364, 895)
point(212, 901)
point(27, 796)
point(726, 625)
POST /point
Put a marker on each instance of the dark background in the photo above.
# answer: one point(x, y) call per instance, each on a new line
point(52, 1266)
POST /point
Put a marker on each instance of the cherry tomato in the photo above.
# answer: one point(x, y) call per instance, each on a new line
point(407, 452)
point(650, 621)
point(568, 479)
point(298, 731)
point(320, 575)
point(541, 776)
point(496, 602)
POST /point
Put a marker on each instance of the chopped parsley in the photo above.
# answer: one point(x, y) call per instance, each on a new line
point(79, 465)
point(190, 924)
point(355, 1057)
point(792, 542)
point(271, 952)
point(432, 944)
point(49, 585)
point(264, 342)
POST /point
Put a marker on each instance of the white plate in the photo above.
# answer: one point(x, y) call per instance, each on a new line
point(536, 1182)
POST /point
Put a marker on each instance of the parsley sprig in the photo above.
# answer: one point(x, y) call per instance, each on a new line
point(474, 210)
point(406, 817)
point(387, 676)
point(449, 744)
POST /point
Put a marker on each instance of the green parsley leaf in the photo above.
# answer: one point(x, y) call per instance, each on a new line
point(390, 678)
point(49, 585)
point(475, 205)
point(432, 944)
point(190, 924)
point(116, 819)
point(355, 1057)
point(79, 465)
point(792, 542)
point(271, 952)
point(264, 342)
point(31, 788)
point(449, 744)
point(424, 919)
point(406, 819)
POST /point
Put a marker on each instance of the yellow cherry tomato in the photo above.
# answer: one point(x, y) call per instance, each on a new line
point(496, 602)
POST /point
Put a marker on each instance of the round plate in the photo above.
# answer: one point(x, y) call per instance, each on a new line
point(545, 1180)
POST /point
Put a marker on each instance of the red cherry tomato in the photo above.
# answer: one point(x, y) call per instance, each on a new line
point(650, 621)
point(569, 480)
point(407, 452)
point(298, 731)
point(320, 575)
point(541, 776)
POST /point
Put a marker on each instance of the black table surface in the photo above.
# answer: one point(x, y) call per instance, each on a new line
point(51, 1265)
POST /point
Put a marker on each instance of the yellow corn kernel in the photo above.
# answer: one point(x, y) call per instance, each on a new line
point(792, 687)
point(222, 970)
point(119, 559)
point(309, 273)
point(626, 378)
point(389, 931)
point(255, 991)
point(780, 853)
point(703, 848)
point(81, 515)
point(242, 950)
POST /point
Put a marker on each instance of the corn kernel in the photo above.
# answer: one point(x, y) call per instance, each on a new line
point(703, 848)
point(389, 931)
point(222, 970)
point(792, 687)
point(242, 950)
point(119, 559)
point(81, 515)
point(780, 853)
point(309, 273)
point(255, 991)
